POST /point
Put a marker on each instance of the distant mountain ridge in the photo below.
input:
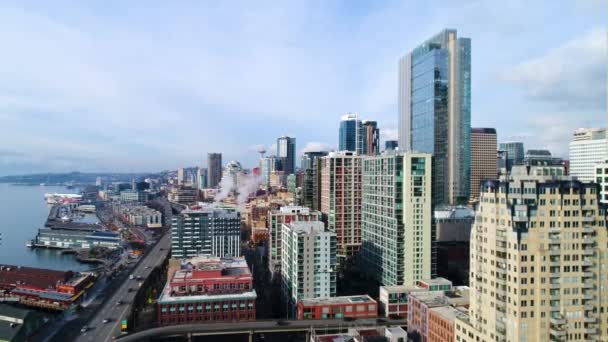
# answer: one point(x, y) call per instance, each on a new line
point(72, 177)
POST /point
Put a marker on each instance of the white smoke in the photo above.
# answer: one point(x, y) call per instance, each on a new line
point(248, 184)
point(226, 186)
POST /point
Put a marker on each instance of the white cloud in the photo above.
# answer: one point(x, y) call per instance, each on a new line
point(571, 75)
point(315, 146)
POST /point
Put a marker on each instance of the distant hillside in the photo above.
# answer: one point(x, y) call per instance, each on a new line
point(72, 177)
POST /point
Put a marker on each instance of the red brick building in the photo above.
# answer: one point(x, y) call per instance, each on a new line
point(442, 322)
point(208, 289)
point(337, 307)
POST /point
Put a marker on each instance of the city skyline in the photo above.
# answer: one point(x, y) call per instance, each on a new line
point(137, 96)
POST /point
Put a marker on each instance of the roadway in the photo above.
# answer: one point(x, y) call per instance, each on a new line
point(253, 327)
point(98, 331)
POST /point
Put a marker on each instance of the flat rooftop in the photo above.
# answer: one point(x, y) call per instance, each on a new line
point(361, 299)
point(448, 312)
point(166, 297)
point(11, 276)
point(431, 298)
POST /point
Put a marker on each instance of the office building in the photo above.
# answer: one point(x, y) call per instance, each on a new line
point(206, 289)
point(390, 145)
point(234, 172)
point(453, 227)
point(349, 137)
point(308, 262)
point(133, 196)
point(539, 157)
point(362, 306)
point(435, 111)
point(514, 153)
point(181, 176)
point(311, 179)
point(601, 178)
point(183, 194)
point(286, 151)
point(341, 199)
point(214, 166)
point(202, 177)
point(587, 148)
point(276, 219)
point(397, 218)
point(268, 165)
point(370, 138)
point(483, 158)
point(207, 231)
point(278, 179)
point(537, 249)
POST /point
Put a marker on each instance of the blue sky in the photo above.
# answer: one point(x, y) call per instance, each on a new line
point(145, 86)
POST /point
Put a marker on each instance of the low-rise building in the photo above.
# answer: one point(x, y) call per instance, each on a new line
point(138, 215)
point(68, 238)
point(362, 306)
point(394, 299)
point(133, 196)
point(208, 289)
point(18, 324)
point(371, 334)
point(441, 322)
point(183, 194)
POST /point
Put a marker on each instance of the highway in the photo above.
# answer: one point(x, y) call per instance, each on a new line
point(99, 331)
point(251, 327)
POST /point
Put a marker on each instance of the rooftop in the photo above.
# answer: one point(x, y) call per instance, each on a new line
point(205, 267)
point(362, 299)
point(11, 276)
point(307, 227)
point(166, 297)
point(430, 298)
point(448, 312)
point(436, 281)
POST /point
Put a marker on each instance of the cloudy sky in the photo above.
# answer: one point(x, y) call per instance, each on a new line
point(145, 85)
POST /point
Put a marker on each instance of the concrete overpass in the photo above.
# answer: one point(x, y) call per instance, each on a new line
point(254, 327)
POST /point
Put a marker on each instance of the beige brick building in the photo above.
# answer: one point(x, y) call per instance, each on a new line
point(483, 158)
point(539, 262)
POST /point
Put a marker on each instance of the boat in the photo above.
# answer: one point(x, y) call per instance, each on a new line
point(29, 243)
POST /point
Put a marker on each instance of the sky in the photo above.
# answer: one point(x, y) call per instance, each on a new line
point(153, 85)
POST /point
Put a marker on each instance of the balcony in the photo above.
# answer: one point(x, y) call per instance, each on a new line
point(588, 285)
point(588, 230)
point(554, 251)
point(588, 219)
point(591, 331)
point(587, 274)
point(558, 320)
point(588, 251)
point(557, 332)
point(588, 307)
point(588, 240)
point(589, 319)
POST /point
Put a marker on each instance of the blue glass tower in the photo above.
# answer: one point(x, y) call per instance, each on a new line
point(435, 111)
point(349, 138)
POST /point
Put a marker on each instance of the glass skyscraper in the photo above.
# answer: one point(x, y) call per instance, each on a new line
point(435, 111)
point(286, 151)
point(515, 153)
point(349, 138)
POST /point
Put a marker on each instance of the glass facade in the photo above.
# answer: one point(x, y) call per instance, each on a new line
point(348, 135)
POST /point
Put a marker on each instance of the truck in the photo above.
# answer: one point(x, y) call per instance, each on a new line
point(131, 277)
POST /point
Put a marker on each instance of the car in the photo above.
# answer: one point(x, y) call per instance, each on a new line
point(119, 302)
point(130, 289)
point(84, 329)
point(106, 320)
point(162, 249)
point(147, 267)
point(282, 322)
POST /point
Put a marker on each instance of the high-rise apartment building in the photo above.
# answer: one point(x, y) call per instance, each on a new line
point(311, 179)
point(215, 232)
point(286, 151)
point(397, 217)
point(275, 220)
point(515, 153)
point(214, 166)
point(201, 177)
point(587, 148)
point(349, 137)
point(435, 111)
point(309, 261)
point(341, 199)
point(538, 250)
point(483, 158)
point(601, 178)
point(370, 138)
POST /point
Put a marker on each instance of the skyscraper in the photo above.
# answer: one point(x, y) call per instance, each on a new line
point(341, 199)
point(587, 148)
point(538, 248)
point(370, 138)
point(391, 145)
point(268, 164)
point(397, 215)
point(435, 111)
point(311, 183)
point(349, 138)
point(286, 151)
point(483, 157)
point(515, 153)
point(214, 165)
point(202, 177)
point(181, 176)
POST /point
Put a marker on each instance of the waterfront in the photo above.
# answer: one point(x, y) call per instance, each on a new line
point(23, 211)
